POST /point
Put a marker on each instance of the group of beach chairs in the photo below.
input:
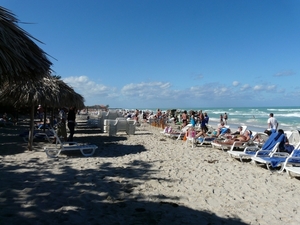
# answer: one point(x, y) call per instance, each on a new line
point(262, 149)
point(109, 122)
point(48, 133)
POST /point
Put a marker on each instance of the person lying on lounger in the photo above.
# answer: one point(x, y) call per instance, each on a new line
point(239, 131)
point(221, 130)
point(240, 138)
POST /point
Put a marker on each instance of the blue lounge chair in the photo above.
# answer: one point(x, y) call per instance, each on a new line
point(271, 145)
point(275, 159)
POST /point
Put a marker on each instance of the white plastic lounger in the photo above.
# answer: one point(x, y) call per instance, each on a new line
point(270, 146)
point(85, 149)
point(291, 170)
point(275, 159)
point(292, 163)
point(180, 134)
point(205, 140)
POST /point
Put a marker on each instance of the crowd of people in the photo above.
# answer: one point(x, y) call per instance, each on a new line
point(240, 135)
point(67, 116)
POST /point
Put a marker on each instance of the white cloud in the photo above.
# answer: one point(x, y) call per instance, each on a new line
point(163, 94)
point(284, 73)
point(266, 88)
point(270, 87)
point(198, 76)
point(147, 90)
point(258, 88)
point(245, 87)
point(235, 83)
point(87, 88)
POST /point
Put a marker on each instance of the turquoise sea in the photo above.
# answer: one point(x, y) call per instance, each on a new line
point(254, 117)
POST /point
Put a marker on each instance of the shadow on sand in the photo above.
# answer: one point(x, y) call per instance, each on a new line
point(54, 192)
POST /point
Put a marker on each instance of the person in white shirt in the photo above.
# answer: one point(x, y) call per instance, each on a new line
point(272, 122)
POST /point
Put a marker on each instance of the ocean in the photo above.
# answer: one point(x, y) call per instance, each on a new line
point(254, 117)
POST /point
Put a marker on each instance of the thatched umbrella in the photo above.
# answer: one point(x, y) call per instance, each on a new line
point(47, 91)
point(20, 57)
point(68, 96)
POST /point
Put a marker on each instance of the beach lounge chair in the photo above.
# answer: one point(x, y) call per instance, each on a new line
point(178, 135)
point(205, 140)
point(273, 160)
point(293, 136)
point(269, 146)
point(256, 141)
point(38, 135)
point(167, 130)
point(211, 137)
point(85, 149)
point(292, 163)
point(191, 137)
point(221, 141)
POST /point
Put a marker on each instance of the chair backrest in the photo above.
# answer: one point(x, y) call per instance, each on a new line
point(58, 141)
point(244, 128)
point(168, 129)
point(191, 134)
point(274, 139)
point(112, 114)
point(263, 136)
point(223, 130)
point(210, 129)
point(184, 129)
point(293, 137)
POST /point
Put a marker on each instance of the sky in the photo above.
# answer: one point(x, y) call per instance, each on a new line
point(170, 53)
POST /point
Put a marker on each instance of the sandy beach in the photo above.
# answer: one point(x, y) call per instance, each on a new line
point(145, 178)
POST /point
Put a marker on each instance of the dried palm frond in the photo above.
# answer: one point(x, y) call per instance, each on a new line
point(20, 57)
point(48, 91)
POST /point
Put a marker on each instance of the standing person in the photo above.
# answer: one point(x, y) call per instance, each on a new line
point(203, 123)
point(221, 118)
point(206, 117)
point(225, 118)
point(40, 112)
point(158, 113)
point(272, 122)
point(61, 124)
point(71, 122)
point(184, 118)
point(136, 115)
point(192, 120)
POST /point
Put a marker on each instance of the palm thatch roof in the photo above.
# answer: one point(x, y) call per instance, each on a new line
point(20, 57)
point(68, 96)
point(48, 91)
point(26, 93)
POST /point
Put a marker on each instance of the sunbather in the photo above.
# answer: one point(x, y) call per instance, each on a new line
point(240, 138)
point(220, 131)
point(239, 131)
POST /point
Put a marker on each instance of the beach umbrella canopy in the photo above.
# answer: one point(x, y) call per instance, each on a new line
point(48, 91)
point(20, 57)
point(68, 97)
point(26, 93)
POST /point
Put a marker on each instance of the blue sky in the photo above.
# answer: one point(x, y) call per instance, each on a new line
point(170, 54)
